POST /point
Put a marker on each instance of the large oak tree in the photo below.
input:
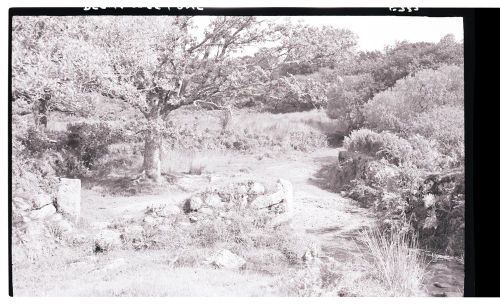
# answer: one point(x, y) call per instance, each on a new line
point(158, 64)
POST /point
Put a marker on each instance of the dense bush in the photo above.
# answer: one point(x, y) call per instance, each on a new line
point(416, 151)
point(398, 108)
point(444, 125)
point(89, 142)
point(411, 183)
point(405, 58)
point(70, 153)
point(31, 174)
point(347, 96)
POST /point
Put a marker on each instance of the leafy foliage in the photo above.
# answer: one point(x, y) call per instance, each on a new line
point(346, 98)
point(297, 94)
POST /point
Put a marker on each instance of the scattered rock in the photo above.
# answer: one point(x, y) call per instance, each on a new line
point(213, 200)
point(257, 189)
point(56, 217)
point(286, 187)
point(283, 195)
point(438, 285)
point(133, 229)
point(34, 230)
point(311, 253)
point(184, 224)
point(152, 221)
point(41, 200)
point(206, 211)
point(267, 201)
point(438, 294)
point(168, 210)
point(195, 203)
point(226, 259)
point(77, 264)
point(193, 219)
point(20, 204)
point(42, 213)
point(454, 294)
point(78, 238)
point(64, 225)
point(68, 198)
point(107, 240)
point(242, 189)
point(99, 225)
point(115, 264)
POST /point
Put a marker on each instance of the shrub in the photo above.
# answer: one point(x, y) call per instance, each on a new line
point(445, 125)
point(395, 175)
point(398, 107)
point(31, 173)
point(89, 142)
point(36, 141)
point(365, 141)
point(415, 151)
point(347, 97)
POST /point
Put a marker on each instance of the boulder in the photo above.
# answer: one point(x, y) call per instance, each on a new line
point(63, 225)
point(257, 189)
point(213, 201)
point(267, 201)
point(41, 200)
point(99, 225)
point(310, 254)
point(168, 210)
point(226, 259)
point(193, 219)
point(56, 217)
point(20, 204)
point(151, 220)
point(77, 238)
point(283, 196)
point(42, 213)
point(106, 240)
point(287, 188)
point(34, 230)
point(206, 211)
point(242, 189)
point(195, 203)
point(68, 198)
point(113, 265)
point(134, 229)
point(344, 155)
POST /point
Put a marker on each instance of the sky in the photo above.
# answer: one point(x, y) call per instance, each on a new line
point(375, 32)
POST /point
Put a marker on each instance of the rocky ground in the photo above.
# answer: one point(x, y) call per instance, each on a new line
point(334, 221)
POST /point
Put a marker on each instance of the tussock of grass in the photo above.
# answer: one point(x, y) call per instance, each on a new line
point(396, 261)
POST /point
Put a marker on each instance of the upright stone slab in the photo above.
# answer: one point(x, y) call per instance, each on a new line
point(68, 198)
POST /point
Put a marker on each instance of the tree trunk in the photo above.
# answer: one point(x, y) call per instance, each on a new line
point(152, 161)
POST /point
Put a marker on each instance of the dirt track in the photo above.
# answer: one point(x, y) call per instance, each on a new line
point(333, 220)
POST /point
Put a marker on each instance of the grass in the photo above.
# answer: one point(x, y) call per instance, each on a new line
point(167, 262)
point(396, 261)
point(145, 273)
point(393, 266)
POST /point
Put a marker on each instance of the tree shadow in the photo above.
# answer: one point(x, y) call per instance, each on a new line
point(324, 177)
point(126, 185)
